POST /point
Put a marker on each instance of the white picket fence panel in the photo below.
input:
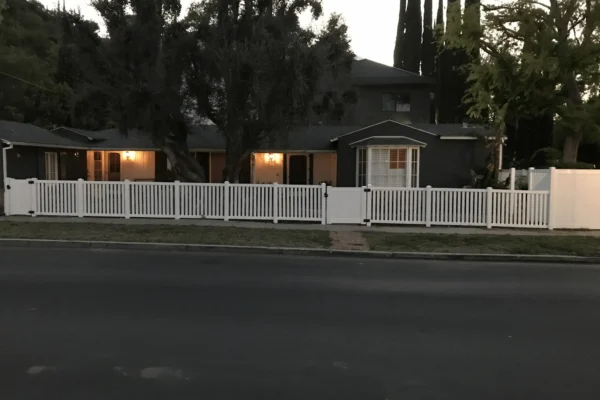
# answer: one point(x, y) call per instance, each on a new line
point(536, 179)
point(459, 207)
point(314, 203)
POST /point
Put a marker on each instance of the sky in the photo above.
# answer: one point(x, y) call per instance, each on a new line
point(371, 23)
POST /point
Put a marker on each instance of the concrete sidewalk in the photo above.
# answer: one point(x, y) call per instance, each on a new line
point(310, 226)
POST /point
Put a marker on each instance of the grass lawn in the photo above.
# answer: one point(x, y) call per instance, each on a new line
point(187, 234)
point(481, 244)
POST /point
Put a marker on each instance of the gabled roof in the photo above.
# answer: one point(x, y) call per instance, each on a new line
point(388, 141)
point(455, 131)
point(368, 72)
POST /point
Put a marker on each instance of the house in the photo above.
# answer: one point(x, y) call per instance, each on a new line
point(384, 139)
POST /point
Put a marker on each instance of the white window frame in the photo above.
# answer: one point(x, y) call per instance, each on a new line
point(410, 151)
point(51, 165)
point(357, 180)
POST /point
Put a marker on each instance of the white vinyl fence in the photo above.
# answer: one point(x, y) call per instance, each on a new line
point(459, 207)
point(534, 179)
point(313, 203)
point(167, 200)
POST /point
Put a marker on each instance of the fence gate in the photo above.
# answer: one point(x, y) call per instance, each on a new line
point(346, 205)
point(20, 197)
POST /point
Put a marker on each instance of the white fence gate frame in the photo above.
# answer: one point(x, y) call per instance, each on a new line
point(346, 205)
point(312, 203)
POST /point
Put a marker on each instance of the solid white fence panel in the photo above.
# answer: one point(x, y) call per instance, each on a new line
point(520, 209)
point(575, 199)
point(458, 207)
point(104, 199)
point(300, 202)
point(152, 199)
point(56, 198)
point(202, 200)
point(21, 197)
point(398, 206)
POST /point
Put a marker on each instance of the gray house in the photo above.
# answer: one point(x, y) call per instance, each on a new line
point(384, 139)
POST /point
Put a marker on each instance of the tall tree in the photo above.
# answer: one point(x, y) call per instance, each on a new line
point(559, 53)
point(29, 91)
point(256, 70)
point(400, 36)
point(137, 70)
point(411, 51)
point(428, 49)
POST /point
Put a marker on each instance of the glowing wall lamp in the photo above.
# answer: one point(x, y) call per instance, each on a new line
point(273, 158)
point(129, 155)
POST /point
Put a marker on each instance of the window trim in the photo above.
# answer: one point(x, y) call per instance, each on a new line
point(410, 174)
point(51, 160)
point(394, 97)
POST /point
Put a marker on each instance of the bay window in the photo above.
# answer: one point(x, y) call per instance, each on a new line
point(388, 166)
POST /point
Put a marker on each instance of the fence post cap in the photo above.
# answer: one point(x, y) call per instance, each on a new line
point(275, 183)
point(80, 180)
point(531, 168)
point(428, 187)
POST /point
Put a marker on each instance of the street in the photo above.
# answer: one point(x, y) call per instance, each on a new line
point(103, 324)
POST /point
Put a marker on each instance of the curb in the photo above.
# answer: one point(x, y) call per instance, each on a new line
point(78, 244)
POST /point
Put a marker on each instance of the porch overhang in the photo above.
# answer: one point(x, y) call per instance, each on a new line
point(388, 141)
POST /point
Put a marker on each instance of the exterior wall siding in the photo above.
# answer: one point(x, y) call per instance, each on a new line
point(443, 163)
point(369, 108)
point(25, 162)
point(325, 168)
point(141, 166)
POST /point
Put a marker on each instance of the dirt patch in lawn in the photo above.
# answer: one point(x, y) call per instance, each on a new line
point(188, 234)
point(485, 244)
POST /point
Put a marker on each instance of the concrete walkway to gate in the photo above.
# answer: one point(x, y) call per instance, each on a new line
point(311, 226)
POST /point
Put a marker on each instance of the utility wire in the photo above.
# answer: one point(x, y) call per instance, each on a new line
point(27, 82)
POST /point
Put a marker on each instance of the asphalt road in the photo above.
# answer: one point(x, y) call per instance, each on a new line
point(97, 324)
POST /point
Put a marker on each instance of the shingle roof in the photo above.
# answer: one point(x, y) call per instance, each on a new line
point(454, 129)
point(388, 141)
point(369, 72)
point(17, 132)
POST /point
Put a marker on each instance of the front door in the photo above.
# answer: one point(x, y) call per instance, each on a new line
point(114, 166)
point(298, 170)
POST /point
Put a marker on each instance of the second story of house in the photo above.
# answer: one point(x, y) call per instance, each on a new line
point(385, 93)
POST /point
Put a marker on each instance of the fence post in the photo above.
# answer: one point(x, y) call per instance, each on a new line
point(275, 202)
point(369, 200)
point(79, 198)
point(34, 203)
point(530, 179)
point(489, 200)
point(7, 186)
point(177, 205)
point(127, 199)
point(324, 196)
point(226, 201)
point(553, 192)
point(428, 207)
point(513, 178)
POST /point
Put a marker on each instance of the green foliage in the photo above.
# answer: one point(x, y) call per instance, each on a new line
point(400, 32)
point(256, 73)
point(428, 47)
point(29, 43)
point(537, 59)
point(411, 50)
point(545, 157)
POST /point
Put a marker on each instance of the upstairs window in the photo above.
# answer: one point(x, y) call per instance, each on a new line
point(396, 102)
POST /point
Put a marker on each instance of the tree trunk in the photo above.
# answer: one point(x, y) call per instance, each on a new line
point(571, 148)
point(184, 166)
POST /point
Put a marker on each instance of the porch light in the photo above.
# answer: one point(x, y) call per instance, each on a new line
point(129, 155)
point(273, 158)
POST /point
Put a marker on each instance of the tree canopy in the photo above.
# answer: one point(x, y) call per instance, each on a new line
point(256, 72)
point(29, 42)
point(537, 58)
